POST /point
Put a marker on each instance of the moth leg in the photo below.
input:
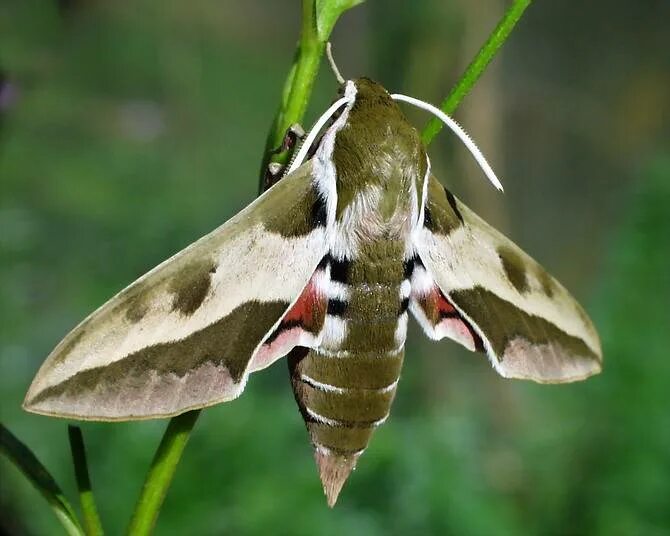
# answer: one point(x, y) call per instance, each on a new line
point(275, 171)
point(294, 134)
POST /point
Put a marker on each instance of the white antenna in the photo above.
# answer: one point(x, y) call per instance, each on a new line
point(453, 125)
point(333, 65)
point(349, 94)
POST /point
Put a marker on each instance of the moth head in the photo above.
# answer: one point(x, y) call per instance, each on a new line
point(371, 95)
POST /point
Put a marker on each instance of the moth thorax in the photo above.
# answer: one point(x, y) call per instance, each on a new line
point(378, 213)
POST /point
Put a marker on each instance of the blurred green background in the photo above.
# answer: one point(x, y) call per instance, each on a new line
point(129, 129)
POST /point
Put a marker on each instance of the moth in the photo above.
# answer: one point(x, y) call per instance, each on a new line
point(323, 269)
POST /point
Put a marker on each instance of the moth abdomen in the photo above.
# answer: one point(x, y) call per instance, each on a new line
point(338, 393)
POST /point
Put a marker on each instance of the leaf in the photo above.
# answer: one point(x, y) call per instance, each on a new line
point(327, 13)
point(23, 458)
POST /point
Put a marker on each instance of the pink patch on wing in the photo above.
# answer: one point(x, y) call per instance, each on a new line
point(299, 326)
point(443, 306)
point(458, 331)
point(303, 310)
point(447, 321)
point(309, 310)
point(281, 345)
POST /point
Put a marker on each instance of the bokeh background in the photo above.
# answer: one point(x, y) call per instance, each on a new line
point(129, 129)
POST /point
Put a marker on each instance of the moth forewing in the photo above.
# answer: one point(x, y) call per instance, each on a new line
point(182, 336)
point(530, 326)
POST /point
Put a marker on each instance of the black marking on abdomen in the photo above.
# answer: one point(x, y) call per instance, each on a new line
point(404, 305)
point(337, 307)
point(339, 270)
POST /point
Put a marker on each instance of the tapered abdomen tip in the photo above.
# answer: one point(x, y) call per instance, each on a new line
point(334, 469)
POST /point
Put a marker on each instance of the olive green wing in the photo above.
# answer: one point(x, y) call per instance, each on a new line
point(188, 333)
point(476, 286)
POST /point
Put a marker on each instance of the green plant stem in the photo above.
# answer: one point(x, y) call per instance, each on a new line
point(297, 88)
point(477, 66)
point(161, 472)
point(300, 80)
point(24, 459)
point(89, 510)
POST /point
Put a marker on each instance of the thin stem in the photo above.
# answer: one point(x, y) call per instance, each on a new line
point(477, 66)
point(92, 524)
point(310, 50)
point(161, 472)
point(297, 87)
point(24, 459)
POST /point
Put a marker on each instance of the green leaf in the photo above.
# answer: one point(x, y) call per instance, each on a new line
point(21, 456)
point(327, 13)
